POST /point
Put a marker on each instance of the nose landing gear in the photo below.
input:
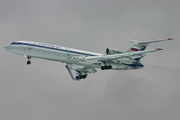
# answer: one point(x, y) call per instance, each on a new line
point(28, 62)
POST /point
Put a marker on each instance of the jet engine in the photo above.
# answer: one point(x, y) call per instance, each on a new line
point(111, 51)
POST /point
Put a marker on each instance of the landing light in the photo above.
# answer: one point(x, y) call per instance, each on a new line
point(25, 55)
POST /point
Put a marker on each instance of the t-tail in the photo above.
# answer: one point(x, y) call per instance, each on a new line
point(141, 46)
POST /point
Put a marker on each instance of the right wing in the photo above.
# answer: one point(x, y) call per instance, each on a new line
point(120, 56)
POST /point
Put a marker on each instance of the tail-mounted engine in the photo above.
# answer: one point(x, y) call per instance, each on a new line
point(111, 51)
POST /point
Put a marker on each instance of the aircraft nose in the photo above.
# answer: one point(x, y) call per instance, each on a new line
point(7, 47)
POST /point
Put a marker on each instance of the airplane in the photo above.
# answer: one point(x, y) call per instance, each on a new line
point(80, 63)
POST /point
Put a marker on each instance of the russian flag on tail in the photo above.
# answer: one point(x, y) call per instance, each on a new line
point(134, 49)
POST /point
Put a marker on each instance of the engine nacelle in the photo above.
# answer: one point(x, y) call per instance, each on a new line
point(111, 51)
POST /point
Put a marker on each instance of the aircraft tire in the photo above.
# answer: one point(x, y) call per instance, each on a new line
point(78, 77)
point(28, 62)
point(110, 67)
point(102, 68)
point(83, 76)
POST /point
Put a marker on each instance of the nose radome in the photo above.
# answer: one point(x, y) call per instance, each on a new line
point(7, 47)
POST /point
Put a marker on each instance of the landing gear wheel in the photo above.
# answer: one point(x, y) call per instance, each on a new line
point(78, 77)
point(106, 67)
point(102, 68)
point(28, 62)
point(110, 67)
point(81, 77)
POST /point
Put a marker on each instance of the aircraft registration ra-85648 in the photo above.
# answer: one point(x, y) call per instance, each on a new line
point(80, 63)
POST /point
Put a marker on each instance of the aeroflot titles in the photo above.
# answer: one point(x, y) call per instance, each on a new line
point(56, 47)
point(46, 45)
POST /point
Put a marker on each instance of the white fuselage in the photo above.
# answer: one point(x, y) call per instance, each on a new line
point(58, 53)
point(80, 63)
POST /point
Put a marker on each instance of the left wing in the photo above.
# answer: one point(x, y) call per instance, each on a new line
point(78, 72)
point(120, 56)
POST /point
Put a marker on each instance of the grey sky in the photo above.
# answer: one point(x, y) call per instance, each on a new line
point(44, 90)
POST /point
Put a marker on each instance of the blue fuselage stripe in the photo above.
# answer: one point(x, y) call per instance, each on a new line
point(54, 48)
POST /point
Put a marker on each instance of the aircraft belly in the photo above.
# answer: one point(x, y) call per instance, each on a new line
point(48, 54)
point(62, 56)
point(55, 56)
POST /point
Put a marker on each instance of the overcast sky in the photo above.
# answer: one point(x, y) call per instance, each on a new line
point(45, 91)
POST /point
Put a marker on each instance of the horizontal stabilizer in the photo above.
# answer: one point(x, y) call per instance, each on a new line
point(148, 42)
point(159, 49)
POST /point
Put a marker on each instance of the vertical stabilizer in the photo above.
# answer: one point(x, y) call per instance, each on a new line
point(141, 46)
point(136, 47)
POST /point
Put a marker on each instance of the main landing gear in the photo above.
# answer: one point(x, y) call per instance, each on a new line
point(81, 77)
point(29, 62)
point(105, 66)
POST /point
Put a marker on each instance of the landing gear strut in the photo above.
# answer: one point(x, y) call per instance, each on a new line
point(29, 62)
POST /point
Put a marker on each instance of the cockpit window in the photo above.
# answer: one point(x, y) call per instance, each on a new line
point(14, 43)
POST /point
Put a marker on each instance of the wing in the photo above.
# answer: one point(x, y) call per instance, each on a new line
point(137, 54)
point(78, 72)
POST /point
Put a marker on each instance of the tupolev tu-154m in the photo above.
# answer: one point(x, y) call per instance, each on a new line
point(80, 63)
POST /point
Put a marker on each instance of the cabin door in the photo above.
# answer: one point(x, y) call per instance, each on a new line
point(68, 51)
